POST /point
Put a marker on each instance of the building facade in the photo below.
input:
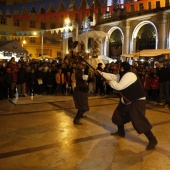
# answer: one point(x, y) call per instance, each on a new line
point(141, 29)
point(131, 25)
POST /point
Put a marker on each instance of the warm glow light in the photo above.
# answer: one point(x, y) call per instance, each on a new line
point(34, 33)
point(24, 42)
point(67, 21)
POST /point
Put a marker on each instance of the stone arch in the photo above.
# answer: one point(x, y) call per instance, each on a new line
point(106, 52)
point(135, 33)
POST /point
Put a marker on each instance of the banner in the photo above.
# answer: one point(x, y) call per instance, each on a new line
point(41, 32)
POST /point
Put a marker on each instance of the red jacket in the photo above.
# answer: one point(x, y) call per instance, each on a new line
point(155, 83)
point(14, 71)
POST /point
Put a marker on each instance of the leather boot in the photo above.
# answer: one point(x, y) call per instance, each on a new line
point(152, 140)
point(77, 122)
point(77, 118)
point(120, 132)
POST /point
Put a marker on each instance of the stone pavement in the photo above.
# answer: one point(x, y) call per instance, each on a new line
point(38, 134)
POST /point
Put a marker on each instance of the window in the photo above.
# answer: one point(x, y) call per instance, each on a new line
point(52, 9)
point(33, 10)
point(43, 25)
point(53, 26)
point(17, 23)
point(42, 11)
point(132, 9)
point(158, 4)
point(3, 38)
point(141, 6)
point(32, 24)
point(58, 54)
point(32, 40)
point(149, 5)
point(2, 3)
point(16, 2)
point(3, 21)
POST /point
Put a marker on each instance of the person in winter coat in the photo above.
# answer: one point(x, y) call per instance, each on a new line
point(154, 87)
point(8, 83)
point(32, 82)
point(99, 81)
point(50, 81)
point(164, 82)
point(40, 78)
point(2, 80)
point(14, 70)
point(60, 81)
point(21, 80)
point(132, 104)
point(146, 83)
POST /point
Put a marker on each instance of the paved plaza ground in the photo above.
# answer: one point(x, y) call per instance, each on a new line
point(39, 134)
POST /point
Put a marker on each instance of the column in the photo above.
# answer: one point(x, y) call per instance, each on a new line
point(134, 45)
point(42, 45)
point(65, 48)
point(106, 52)
point(162, 31)
point(126, 49)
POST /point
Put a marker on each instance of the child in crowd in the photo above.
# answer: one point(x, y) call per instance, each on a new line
point(146, 82)
point(154, 87)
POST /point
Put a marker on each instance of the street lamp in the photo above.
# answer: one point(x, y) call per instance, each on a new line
point(23, 42)
point(67, 22)
point(42, 45)
point(42, 42)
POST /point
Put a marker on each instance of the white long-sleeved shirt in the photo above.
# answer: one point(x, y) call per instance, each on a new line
point(127, 79)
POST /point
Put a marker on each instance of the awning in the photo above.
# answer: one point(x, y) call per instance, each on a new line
point(154, 52)
point(148, 53)
point(12, 47)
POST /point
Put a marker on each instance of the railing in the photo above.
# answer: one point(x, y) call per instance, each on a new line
point(123, 11)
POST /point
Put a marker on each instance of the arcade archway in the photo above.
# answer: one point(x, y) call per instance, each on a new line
point(145, 36)
point(115, 43)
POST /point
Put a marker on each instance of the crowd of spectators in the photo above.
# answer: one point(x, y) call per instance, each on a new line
point(35, 77)
point(42, 77)
point(155, 80)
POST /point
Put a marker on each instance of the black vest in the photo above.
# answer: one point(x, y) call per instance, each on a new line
point(135, 91)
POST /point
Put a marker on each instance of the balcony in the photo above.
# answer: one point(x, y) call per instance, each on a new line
point(129, 10)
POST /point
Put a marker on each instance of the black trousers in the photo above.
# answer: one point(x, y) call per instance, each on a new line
point(134, 112)
point(79, 115)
